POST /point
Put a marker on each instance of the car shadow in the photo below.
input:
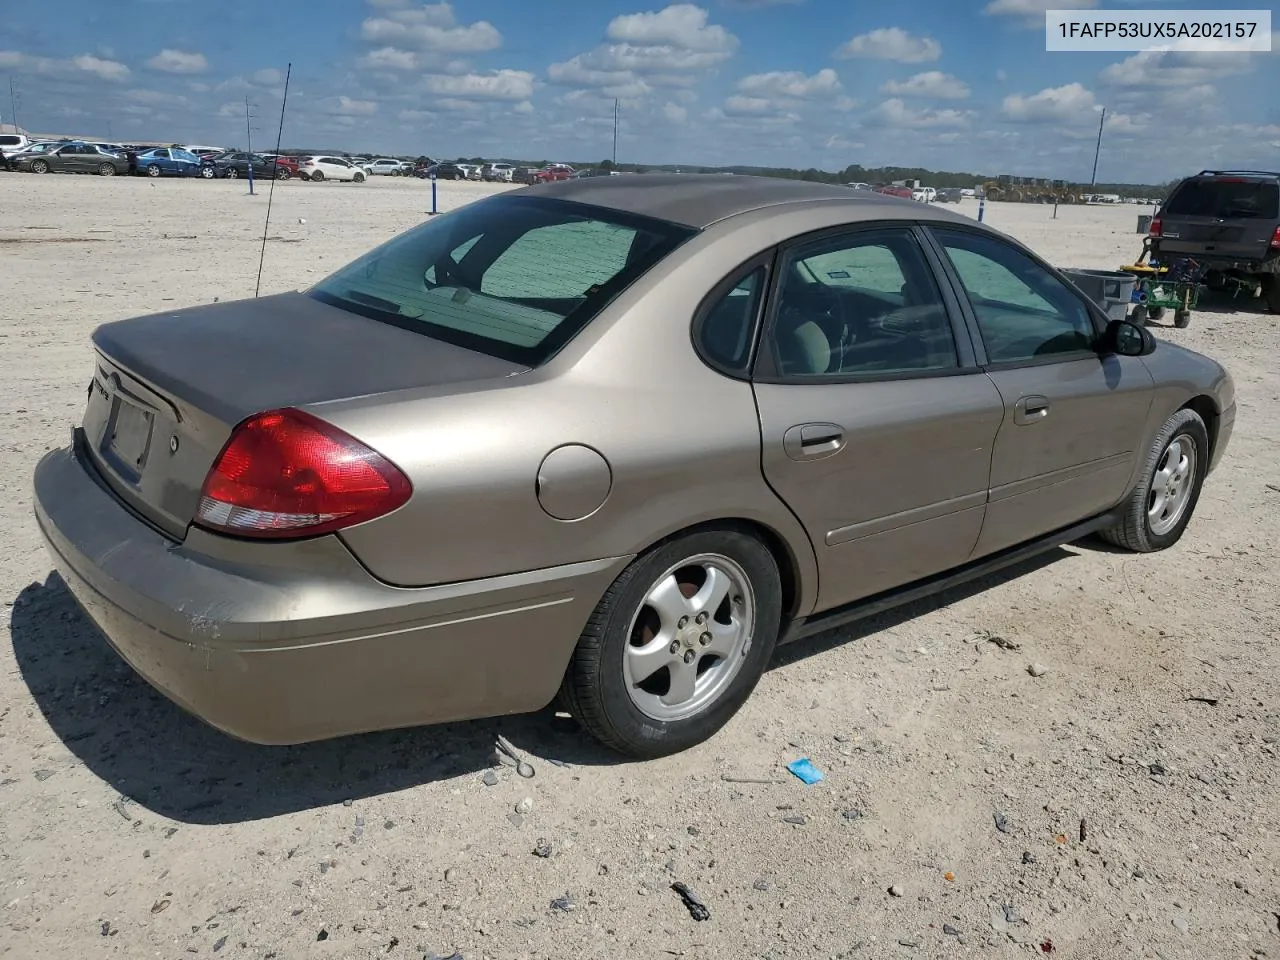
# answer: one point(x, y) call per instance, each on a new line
point(162, 758)
point(155, 754)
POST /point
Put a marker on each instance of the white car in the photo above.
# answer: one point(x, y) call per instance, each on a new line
point(11, 143)
point(469, 170)
point(500, 172)
point(386, 167)
point(329, 168)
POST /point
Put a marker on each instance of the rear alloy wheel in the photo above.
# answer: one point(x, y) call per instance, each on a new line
point(208, 172)
point(233, 173)
point(107, 170)
point(358, 178)
point(317, 177)
point(282, 173)
point(40, 166)
point(677, 643)
point(153, 171)
point(1161, 506)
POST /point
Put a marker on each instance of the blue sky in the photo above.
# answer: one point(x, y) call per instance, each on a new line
point(946, 84)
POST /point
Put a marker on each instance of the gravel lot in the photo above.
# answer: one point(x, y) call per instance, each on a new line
point(1096, 811)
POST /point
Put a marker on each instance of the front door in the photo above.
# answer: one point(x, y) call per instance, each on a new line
point(1074, 418)
point(877, 425)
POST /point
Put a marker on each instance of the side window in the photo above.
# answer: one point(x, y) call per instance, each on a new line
point(1024, 313)
point(865, 304)
point(724, 333)
point(559, 262)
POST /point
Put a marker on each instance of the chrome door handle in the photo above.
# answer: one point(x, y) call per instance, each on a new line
point(1030, 410)
point(812, 441)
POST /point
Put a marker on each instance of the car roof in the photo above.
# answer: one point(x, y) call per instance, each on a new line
point(700, 199)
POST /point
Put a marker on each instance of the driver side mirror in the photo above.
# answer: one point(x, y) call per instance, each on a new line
point(1129, 339)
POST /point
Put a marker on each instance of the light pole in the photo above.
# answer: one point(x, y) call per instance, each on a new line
point(1098, 150)
point(615, 131)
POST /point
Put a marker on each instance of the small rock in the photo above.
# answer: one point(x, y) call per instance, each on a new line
point(949, 930)
point(43, 775)
point(1028, 857)
point(450, 875)
point(693, 831)
point(798, 819)
point(542, 848)
point(347, 802)
point(219, 943)
point(896, 891)
point(515, 819)
point(525, 806)
point(490, 779)
point(1001, 821)
point(852, 814)
point(764, 885)
point(907, 943)
point(1182, 923)
point(563, 904)
point(1037, 669)
point(1157, 770)
point(1011, 914)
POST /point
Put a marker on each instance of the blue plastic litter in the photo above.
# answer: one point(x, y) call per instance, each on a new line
point(805, 770)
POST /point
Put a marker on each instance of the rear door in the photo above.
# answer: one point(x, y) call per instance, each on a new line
point(1221, 216)
point(1074, 419)
point(877, 424)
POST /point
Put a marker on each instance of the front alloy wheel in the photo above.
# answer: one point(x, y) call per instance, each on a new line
point(677, 643)
point(1160, 507)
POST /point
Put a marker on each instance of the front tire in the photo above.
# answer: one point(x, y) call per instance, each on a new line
point(317, 177)
point(233, 173)
point(1161, 506)
point(40, 166)
point(153, 171)
point(208, 172)
point(107, 170)
point(677, 643)
point(358, 178)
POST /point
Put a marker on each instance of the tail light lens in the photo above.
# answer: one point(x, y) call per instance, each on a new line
point(1156, 227)
point(1275, 239)
point(286, 474)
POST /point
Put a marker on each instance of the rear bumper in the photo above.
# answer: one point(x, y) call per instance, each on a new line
point(306, 645)
point(1266, 265)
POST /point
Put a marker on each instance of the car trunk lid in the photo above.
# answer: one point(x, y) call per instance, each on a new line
point(1231, 217)
point(168, 388)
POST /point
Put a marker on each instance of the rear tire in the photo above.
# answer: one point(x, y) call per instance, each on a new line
point(233, 173)
point(107, 170)
point(153, 171)
point(208, 172)
point(358, 178)
point(1181, 318)
point(40, 166)
point(1271, 292)
point(1162, 504)
point(632, 702)
point(1155, 313)
point(317, 177)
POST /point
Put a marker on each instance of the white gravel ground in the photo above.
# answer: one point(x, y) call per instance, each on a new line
point(1138, 822)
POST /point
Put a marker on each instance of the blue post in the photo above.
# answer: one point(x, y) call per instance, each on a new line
point(251, 176)
point(434, 210)
point(982, 208)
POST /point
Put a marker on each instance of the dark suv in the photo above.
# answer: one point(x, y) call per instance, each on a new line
point(1229, 222)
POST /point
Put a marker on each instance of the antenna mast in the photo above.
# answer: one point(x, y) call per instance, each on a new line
point(271, 191)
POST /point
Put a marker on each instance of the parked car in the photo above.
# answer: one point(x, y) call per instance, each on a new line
point(524, 175)
point(385, 167)
point(13, 143)
point(168, 161)
point(1227, 221)
point(446, 171)
point(470, 171)
point(592, 172)
point(200, 150)
point(553, 172)
point(237, 163)
point(319, 168)
point(276, 541)
point(286, 165)
point(74, 157)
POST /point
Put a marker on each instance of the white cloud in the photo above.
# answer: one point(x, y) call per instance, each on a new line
point(178, 61)
point(430, 27)
point(73, 67)
point(791, 83)
point(757, 4)
point(1001, 76)
point(1032, 12)
point(675, 113)
point(932, 85)
point(1173, 68)
point(1072, 102)
point(895, 113)
point(748, 106)
point(268, 77)
point(497, 85)
point(345, 106)
point(891, 43)
point(671, 47)
point(681, 25)
point(390, 58)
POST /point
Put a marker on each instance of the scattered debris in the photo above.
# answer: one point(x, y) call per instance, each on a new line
point(1011, 914)
point(160, 906)
point(949, 930)
point(490, 779)
point(948, 876)
point(525, 806)
point(1037, 669)
point(1004, 643)
point(121, 807)
point(1084, 831)
point(907, 943)
point(764, 885)
point(731, 779)
point(1157, 769)
point(697, 909)
point(563, 904)
point(43, 775)
point(1046, 946)
point(220, 943)
point(852, 814)
point(1182, 923)
point(358, 830)
point(515, 819)
point(1028, 857)
point(896, 891)
point(797, 819)
point(322, 935)
point(805, 770)
point(504, 747)
point(1211, 701)
point(542, 848)
point(1001, 821)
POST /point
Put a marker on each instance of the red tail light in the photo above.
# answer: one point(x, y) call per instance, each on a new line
point(1275, 239)
point(1155, 228)
point(285, 473)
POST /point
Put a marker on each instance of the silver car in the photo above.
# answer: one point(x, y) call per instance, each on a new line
point(612, 439)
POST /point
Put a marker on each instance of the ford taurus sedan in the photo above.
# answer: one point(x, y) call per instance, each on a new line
point(615, 439)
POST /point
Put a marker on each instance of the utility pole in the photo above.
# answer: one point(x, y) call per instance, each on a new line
point(615, 131)
point(1098, 151)
point(13, 105)
point(248, 134)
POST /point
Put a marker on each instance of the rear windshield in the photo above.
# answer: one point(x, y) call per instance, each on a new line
point(514, 277)
point(1225, 199)
point(9, 141)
